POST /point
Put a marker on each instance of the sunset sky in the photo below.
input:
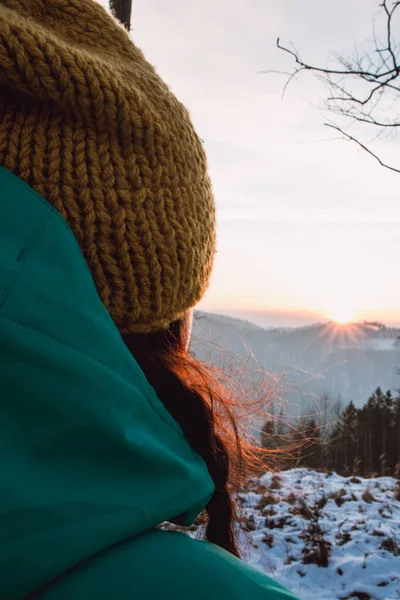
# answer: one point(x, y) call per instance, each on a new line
point(308, 224)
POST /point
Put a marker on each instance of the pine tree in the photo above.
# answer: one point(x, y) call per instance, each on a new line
point(310, 451)
point(349, 435)
point(396, 430)
point(344, 440)
point(268, 434)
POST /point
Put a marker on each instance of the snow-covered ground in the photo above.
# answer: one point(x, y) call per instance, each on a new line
point(350, 524)
point(323, 536)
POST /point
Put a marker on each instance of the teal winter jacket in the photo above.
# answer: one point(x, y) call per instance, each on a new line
point(90, 460)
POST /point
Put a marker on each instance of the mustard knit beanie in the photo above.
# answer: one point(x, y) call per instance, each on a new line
point(87, 122)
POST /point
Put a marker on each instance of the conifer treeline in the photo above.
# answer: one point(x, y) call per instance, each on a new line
point(364, 441)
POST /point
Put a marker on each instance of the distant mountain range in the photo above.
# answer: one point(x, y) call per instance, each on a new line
point(302, 364)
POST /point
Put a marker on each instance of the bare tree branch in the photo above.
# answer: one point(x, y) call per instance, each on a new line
point(365, 87)
point(389, 14)
point(349, 71)
point(353, 139)
point(368, 119)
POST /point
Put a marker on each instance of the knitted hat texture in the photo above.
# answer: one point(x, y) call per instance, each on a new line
point(86, 121)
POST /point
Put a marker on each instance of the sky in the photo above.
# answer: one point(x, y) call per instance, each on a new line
point(308, 224)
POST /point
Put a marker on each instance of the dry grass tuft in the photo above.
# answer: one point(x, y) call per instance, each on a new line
point(276, 483)
point(368, 496)
point(267, 500)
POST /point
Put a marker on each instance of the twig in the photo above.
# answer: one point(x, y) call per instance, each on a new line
point(349, 71)
point(353, 139)
point(379, 75)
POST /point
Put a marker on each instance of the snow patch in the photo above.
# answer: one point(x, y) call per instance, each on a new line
point(351, 522)
point(297, 520)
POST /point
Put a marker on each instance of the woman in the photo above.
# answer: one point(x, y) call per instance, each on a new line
point(106, 241)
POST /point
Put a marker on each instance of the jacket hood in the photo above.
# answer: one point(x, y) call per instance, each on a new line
point(89, 455)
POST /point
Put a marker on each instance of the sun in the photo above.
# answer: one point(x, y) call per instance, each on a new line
point(342, 315)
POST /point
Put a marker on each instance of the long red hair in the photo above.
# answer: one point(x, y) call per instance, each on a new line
point(192, 394)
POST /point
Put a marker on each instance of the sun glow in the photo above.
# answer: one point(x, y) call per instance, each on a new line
point(343, 315)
